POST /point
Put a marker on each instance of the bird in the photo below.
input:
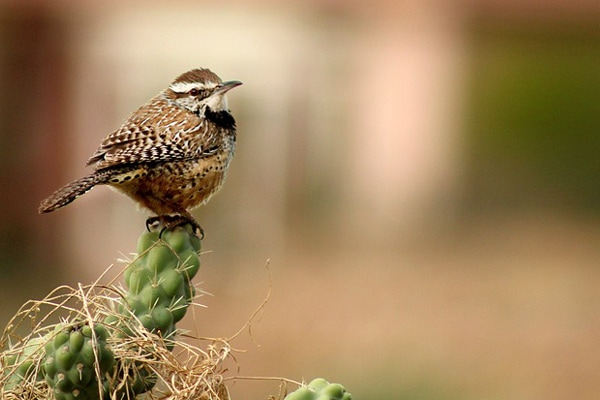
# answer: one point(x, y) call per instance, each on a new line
point(171, 155)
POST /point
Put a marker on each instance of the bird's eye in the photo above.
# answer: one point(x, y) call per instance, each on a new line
point(194, 92)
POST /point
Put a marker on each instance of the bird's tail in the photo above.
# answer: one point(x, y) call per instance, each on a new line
point(73, 190)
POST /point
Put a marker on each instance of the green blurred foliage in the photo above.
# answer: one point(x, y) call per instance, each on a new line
point(534, 108)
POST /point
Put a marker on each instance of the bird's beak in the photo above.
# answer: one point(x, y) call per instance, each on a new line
point(227, 86)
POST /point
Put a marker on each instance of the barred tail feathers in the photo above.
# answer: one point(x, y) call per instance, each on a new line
point(73, 190)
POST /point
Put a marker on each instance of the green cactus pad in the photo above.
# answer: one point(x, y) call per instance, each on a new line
point(320, 389)
point(133, 378)
point(159, 279)
point(21, 367)
point(71, 358)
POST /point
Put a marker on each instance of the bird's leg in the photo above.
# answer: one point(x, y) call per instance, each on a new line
point(153, 222)
point(173, 221)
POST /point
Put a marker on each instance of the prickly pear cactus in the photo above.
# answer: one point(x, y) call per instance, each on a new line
point(74, 357)
point(320, 389)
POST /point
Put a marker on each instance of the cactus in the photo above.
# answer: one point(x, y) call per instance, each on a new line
point(159, 293)
point(320, 389)
point(21, 366)
point(159, 279)
point(71, 359)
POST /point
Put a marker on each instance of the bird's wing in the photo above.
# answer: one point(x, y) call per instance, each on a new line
point(155, 133)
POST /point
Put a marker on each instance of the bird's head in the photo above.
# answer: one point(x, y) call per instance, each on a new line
point(200, 89)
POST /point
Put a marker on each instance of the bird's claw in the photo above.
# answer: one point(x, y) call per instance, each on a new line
point(169, 222)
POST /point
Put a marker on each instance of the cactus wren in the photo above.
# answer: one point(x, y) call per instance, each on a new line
point(170, 155)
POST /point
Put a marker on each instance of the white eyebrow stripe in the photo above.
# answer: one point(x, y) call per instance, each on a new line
point(184, 87)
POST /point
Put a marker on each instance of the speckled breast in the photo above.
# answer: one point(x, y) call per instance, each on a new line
point(174, 187)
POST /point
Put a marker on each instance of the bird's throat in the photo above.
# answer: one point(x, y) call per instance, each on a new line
point(223, 119)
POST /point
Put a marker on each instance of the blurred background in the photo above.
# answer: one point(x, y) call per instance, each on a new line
point(422, 175)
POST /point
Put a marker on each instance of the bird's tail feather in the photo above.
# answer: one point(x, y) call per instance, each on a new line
point(73, 190)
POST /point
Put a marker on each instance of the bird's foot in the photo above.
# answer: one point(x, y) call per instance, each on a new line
point(169, 222)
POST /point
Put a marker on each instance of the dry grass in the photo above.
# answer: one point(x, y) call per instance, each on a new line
point(189, 371)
